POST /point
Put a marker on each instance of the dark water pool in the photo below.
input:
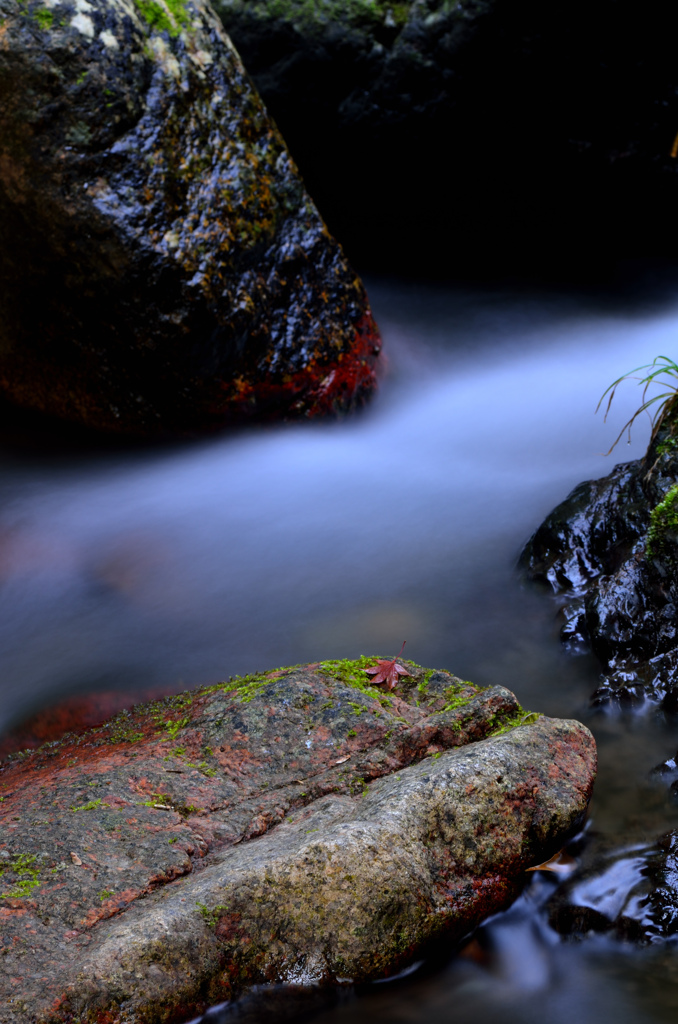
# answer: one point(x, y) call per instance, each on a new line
point(177, 566)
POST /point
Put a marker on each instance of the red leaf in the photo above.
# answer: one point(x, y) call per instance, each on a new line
point(386, 671)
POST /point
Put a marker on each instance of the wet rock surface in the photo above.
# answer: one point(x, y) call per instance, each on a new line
point(435, 124)
point(162, 268)
point(300, 825)
point(609, 553)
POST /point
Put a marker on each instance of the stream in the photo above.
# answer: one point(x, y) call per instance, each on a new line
point(164, 567)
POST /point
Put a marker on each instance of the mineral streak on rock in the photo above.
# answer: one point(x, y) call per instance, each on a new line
point(295, 824)
point(610, 552)
point(162, 267)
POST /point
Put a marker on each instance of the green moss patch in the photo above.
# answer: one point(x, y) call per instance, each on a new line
point(351, 672)
point(44, 18)
point(91, 806)
point(663, 521)
point(26, 876)
point(668, 446)
point(521, 717)
point(164, 15)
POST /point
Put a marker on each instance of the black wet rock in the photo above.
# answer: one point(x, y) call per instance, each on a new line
point(467, 133)
point(161, 266)
point(619, 591)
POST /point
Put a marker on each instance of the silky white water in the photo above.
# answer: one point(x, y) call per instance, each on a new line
point(175, 566)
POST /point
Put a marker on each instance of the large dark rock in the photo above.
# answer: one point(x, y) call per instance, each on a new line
point(299, 824)
point(609, 551)
point(464, 134)
point(161, 266)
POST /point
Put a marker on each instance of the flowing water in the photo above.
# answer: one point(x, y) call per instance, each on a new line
point(168, 567)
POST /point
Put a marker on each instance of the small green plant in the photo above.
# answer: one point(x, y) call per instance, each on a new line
point(661, 370)
point(105, 894)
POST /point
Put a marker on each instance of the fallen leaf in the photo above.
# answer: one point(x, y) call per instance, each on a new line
point(76, 860)
point(386, 671)
point(341, 760)
point(560, 863)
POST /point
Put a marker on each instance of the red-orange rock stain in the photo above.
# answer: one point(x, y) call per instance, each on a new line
point(322, 387)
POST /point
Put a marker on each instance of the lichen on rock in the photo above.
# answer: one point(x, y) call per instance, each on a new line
point(162, 267)
point(295, 822)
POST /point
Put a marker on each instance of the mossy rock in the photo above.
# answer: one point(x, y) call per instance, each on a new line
point(296, 822)
point(162, 267)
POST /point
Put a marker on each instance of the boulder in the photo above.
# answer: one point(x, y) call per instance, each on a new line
point(300, 824)
point(466, 134)
point(609, 554)
point(162, 268)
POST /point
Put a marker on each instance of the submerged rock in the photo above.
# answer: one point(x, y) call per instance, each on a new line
point(296, 825)
point(162, 267)
point(610, 552)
